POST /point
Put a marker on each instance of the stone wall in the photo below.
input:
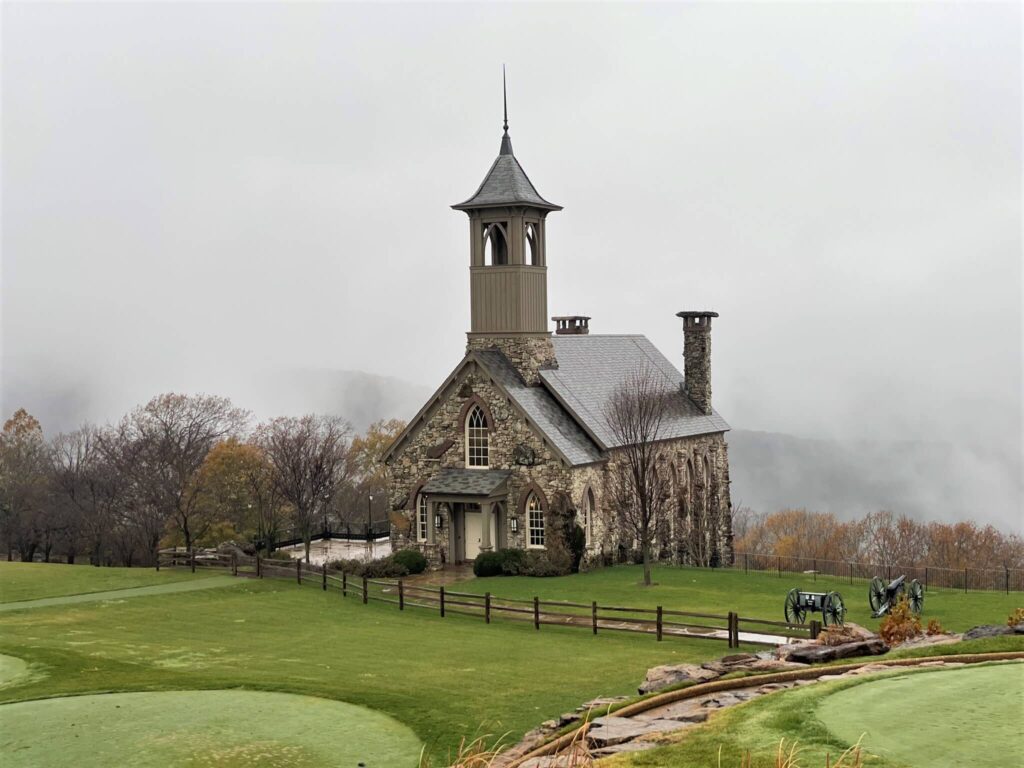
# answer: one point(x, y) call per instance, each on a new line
point(528, 354)
point(411, 465)
point(697, 363)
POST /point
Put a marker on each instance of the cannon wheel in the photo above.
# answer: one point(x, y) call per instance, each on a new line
point(794, 611)
point(833, 610)
point(876, 594)
point(915, 596)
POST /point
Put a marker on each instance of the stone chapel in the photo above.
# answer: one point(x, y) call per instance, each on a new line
point(512, 446)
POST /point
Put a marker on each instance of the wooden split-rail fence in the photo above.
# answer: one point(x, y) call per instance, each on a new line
point(659, 621)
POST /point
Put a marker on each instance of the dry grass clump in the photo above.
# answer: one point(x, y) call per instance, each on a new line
point(851, 758)
point(1016, 618)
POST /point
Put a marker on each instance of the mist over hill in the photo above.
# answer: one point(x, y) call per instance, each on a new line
point(925, 480)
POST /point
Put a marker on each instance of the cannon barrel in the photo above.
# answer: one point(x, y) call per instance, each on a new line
point(896, 583)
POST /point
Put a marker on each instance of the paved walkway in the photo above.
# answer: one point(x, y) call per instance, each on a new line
point(120, 594)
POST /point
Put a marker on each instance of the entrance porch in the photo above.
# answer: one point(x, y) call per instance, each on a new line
point(470, 506)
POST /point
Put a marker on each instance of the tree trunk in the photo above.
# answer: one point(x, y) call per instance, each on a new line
point(647, 564)
point(308, 542)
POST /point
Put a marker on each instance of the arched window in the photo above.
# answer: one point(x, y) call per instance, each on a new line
point(534, 522)
point(706, 495)
point(495, 245)
point(477, 441)
point(422, 519)
point(589, 510)
point(532, 238)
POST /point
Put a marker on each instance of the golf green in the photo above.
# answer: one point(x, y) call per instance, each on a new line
point(213, 729)
point(964, 716)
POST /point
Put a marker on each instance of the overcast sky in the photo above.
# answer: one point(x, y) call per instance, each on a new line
point(196, 194)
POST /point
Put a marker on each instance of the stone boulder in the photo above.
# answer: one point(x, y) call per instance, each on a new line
point(662, 677)
point(992, 630)
point(816, 654)
point(844, 633)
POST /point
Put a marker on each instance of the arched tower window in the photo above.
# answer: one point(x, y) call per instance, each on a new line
point(534, 522)
point(532, 240)
point(495, 244)
point(477, 439)
point(422, 520)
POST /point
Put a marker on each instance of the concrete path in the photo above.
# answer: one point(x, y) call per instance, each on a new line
point(120, 594)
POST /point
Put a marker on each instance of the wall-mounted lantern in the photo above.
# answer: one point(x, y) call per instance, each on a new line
point(513, 524)
point(439, 522)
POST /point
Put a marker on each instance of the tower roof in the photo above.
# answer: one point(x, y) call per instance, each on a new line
point(506, 183)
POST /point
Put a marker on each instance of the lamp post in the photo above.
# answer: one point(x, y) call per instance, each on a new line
point(369, 526)
point(327, 504)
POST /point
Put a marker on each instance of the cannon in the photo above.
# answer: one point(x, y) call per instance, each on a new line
point(883, 597)
point(829, 604)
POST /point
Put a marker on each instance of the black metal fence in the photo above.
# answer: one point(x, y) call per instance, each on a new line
point(964, 579)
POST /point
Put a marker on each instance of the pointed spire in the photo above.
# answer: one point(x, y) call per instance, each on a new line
point(506, 140)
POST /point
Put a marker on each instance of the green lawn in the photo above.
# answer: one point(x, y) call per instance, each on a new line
point(444, 678)
point(756, 595)
point(31, 581)
point(910, 718)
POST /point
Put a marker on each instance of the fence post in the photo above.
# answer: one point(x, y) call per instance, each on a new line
point(323, 575)
point(815, 629)
point(746, 569)
point(965, 581)
point(442, 602)
point(298, 570)
point(158, 560)
point(659, 623)
point(344, 584)
point(259, 571)
point(851, 573)
point(234, 564)
point(926, 578)
point(487, 607)
point(1007, 570)
point(814, 567)
point(192, 560)
point(401, 595)
point(593, 615)
point(536, 613)
point(365, 596)
point(780, 566)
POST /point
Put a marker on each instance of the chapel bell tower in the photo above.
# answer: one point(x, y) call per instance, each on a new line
point(508, 257)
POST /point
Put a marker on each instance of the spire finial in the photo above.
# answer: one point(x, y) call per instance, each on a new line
point(506, 140)
point(504, 96)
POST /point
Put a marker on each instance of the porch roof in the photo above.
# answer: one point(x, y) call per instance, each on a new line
point(466, 482)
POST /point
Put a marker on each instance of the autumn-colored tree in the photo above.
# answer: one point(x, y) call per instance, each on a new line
point(23, 485)
point(367, 476)
point(237, 485)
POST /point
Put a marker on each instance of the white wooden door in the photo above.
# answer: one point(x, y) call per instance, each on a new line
point(473, 532)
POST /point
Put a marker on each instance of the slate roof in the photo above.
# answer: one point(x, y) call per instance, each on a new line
point(506, 183)
point(591, 368)
point(542, 409)
point(466, 482)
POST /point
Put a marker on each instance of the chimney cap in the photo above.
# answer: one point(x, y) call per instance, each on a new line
point(577, 325)
point(697, 313)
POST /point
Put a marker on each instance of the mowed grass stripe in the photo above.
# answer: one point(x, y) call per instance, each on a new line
point(32, 581)
point(210, 582)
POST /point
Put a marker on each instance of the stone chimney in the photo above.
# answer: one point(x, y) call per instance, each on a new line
point(571, 325)
point(697, 357)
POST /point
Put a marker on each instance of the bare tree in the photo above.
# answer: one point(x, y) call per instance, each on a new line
point(636, 483)
point(309, 456)
point(162, 446)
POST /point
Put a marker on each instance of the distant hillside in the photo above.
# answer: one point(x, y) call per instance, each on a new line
point(933, 481)
point(359, 397)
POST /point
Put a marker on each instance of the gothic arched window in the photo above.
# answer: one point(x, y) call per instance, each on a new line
point(495, 245)
point(477, 439)
point(534, 522)
point(532, 239)
point(589, 510)
point(422, 519)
